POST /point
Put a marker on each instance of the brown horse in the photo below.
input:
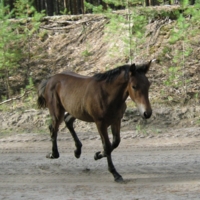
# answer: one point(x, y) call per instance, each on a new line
point(100, 99)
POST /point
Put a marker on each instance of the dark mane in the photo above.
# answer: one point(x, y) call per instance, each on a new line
point(110, 75)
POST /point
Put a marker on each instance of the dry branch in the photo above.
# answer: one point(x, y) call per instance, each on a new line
point(15, 98)
point(63, 25)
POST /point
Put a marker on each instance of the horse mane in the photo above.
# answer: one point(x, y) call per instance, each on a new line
point(110, 75)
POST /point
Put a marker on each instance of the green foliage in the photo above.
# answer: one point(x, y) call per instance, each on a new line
point(181, 36)
point(129, 28)
point(173, 76)
point(93, 8)
point(30, 85)
point(116, 2)
point(184, 3)
point(180, 29)
point(64, 12)
point(23, 11)
point(9, 38)
point(138, 31)
point(86, 53)
point(15, 37)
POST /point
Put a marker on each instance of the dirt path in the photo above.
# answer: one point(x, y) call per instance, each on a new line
point(161, 167)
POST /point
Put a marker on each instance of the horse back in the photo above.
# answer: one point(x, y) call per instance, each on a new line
point(68, 72)
point(70, 91)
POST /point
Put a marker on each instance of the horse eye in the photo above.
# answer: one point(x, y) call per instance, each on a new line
point(134, 87)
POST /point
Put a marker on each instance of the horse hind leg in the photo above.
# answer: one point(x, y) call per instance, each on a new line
point(53, 133)
point(53, 127)
point(69, 120)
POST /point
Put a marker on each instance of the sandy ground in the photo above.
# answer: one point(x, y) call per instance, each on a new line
point(165, 166)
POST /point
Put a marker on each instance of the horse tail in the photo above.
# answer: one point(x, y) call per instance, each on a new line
point(41, 101)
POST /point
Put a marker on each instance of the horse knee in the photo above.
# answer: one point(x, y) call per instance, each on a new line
point(116, 142)
point(107, 150)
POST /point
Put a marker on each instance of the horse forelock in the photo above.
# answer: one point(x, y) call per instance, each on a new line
point(110, 75)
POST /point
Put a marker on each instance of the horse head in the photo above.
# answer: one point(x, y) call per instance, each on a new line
point(138, 88)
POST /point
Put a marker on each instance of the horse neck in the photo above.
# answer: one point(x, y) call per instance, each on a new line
point(118, 89)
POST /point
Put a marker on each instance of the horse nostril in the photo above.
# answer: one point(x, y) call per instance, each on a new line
point(147, 114)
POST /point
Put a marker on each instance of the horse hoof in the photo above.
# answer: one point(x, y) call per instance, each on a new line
point(77, 154)
point(119, 179)
point(97, 155)
point(51, 156)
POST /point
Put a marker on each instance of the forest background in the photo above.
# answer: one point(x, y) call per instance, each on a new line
point(42, 38)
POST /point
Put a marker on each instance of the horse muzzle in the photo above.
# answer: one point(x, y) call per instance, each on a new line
point(147, 114)
point(144, 112)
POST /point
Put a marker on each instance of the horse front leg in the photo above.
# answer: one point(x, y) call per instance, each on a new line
point(107, 151)
point(69, 120)
point(115, 127)
point(117, 177)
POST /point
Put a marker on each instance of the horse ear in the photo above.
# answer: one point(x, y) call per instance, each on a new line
point(132, 68)
point(147, 66)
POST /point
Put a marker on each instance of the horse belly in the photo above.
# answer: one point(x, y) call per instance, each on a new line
point(74, 101)
point(78, 112)
point(82, 115)
point(85, 118)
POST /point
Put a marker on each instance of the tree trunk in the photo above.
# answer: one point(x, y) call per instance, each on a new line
point(11, 4)
point(147, 2)
point(49, 7)
point(80, 6)
point(75, 7)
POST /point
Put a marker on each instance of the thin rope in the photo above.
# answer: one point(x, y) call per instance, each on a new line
point(129, 26)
